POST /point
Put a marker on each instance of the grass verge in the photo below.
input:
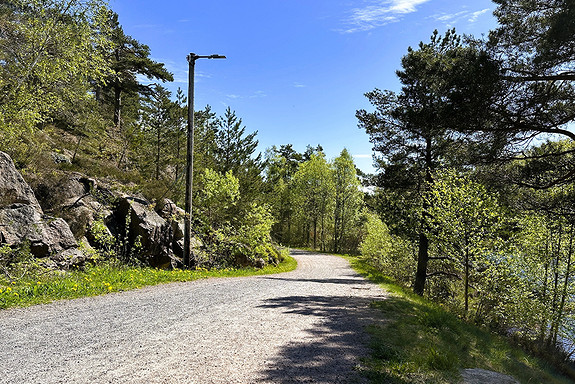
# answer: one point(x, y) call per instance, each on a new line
point(419, 342)
point(102, 279)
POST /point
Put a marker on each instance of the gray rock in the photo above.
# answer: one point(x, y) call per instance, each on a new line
point(482, 376)
point(20, 223)
point(13, 188)
point(23, 221)
point(59, 158)
point(135, 220)
point(168, 210)
point(72, 197)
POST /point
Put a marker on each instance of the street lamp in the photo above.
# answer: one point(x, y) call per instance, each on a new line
point(192, 57)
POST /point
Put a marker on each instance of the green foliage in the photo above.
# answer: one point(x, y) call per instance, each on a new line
point(463, 224)
point(218, 195)
point(417, 130)
point(314, 198)
point(18, 264)
point(315, 202)
point(281, 165)
point(126, 58)
point(504, 260)
point(254, 233)
point(49, 56)
point(416, 341)
point(110, 277)
point(348, 201)
point(390, 254)
point(103, 239)
point(377, 241)
point(234, 151)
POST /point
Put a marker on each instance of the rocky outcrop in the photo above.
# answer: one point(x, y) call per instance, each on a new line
point(13, 189)
point(77, 199)
point(132, 227)
point(155, 237)
point(148, 234)
point(23, 221)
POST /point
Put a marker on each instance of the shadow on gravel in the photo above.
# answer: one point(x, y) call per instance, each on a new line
point(330, 352)
point(300, 252)
point(323, 281)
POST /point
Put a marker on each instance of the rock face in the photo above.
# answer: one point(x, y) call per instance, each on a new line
point(13, 189)
point(149, 235)
point(77, 199)
point(22, 220)
point(154, 237)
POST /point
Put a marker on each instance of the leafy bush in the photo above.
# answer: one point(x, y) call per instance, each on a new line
point(390, 254)
point(254, 233)
point(219, 193)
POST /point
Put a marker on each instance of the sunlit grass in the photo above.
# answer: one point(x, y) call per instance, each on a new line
point(419, 342)
point(102, 279)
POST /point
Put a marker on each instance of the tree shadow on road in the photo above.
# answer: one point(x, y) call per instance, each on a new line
point(330, 351)
point(350, 281)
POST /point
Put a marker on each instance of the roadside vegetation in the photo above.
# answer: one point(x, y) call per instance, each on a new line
point(37, 285)
point(418, 341)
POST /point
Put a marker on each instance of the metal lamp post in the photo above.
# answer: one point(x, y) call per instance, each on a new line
point(192, 57)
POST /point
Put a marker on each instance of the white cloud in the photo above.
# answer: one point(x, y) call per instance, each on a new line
point(452, 18)
point(380, 13)
point(255, 95)
point(475, 15)
point(299, 85)
point(258, 94)
point(362, 156)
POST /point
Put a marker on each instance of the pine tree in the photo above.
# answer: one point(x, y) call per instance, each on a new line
point(234, 151)
point(127, 58)
point(417, 130)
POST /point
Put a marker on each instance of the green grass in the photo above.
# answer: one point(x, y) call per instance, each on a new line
point(102, 279)
point(417, 341)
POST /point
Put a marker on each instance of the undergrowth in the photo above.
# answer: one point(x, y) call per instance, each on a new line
point(46, 286)
point(417, 341)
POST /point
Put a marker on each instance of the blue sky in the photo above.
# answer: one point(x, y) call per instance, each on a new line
point(296, 70)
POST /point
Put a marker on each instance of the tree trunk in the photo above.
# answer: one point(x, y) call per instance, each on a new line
point(554, 302)
point(422, 260)
point(314, 233)
point(544, 320)
point(423, 251)
point(117, 105)
point(564, 293)
point(158, 148)
point(466, 280)
point(76, 149)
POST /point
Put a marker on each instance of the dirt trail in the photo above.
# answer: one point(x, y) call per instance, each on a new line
point(302, 326)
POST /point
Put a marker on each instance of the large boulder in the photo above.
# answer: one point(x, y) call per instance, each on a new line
point(13, 189)
point(23, 221)
point(175, 215)
point(150, 237)
point(77, 199)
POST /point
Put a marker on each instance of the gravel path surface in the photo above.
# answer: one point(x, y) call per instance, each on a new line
point(302, 326)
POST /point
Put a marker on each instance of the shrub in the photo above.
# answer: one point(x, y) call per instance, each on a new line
point(390, 254)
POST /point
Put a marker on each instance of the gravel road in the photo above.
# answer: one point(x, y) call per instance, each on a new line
point(302, 326)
